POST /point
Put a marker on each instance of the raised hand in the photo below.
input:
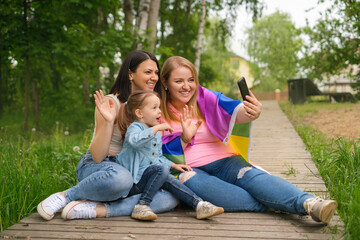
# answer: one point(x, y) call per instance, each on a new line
point(189, 128)
point(105, 106)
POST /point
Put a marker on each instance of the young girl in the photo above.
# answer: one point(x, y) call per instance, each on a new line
point(142, 156)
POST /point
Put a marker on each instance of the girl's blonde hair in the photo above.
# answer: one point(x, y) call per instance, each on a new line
point(168, 67)
point(136, 100)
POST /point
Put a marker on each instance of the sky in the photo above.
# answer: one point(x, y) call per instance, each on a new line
point(299, 10)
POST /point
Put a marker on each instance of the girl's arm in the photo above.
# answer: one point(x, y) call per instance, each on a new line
point(250, 110)
point(162, 127)
point(138, 136)
point(105, 114)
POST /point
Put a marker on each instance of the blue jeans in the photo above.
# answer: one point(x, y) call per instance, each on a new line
point(235, 185)
point(156, 177)
point(109, 182)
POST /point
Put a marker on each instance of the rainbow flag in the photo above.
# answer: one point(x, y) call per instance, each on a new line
point(220, 113)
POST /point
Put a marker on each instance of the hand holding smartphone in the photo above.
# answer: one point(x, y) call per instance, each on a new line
point(244, 90)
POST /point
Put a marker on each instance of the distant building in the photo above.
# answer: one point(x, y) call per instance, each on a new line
point(339, 83)
point(241, 68)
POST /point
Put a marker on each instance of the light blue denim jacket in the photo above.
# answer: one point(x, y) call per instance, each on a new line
point(141, 149)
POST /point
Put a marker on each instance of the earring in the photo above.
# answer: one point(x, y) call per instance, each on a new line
point(166, 89)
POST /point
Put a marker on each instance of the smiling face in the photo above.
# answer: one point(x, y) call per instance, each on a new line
point(181, 86)
point(150, 113)
point(145, 77)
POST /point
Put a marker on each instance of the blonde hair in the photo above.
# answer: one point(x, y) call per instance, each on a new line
point(136, 100)
point(168, 67)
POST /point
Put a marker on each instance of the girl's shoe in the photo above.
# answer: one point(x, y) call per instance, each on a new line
point(320, 210)
point(143, 212)
point(79, 210)
point(51, 205)
point(206, 210)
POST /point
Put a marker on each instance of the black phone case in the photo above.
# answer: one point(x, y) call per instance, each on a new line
point(244, 90)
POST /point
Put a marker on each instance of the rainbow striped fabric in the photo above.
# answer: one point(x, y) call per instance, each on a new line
point(220, 113)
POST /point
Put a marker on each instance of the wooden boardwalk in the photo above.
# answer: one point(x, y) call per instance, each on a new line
point(276, 147)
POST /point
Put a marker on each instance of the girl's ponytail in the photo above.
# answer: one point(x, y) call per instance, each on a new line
point(124, 119)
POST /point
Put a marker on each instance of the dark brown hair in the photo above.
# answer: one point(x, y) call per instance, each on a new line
point(122, 85)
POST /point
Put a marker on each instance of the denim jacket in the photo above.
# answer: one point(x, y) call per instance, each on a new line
point(141, 149)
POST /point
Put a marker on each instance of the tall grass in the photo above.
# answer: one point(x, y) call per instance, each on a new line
point(33, 166)
point(338, 162)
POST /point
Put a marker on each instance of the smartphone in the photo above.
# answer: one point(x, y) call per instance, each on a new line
point(244, 90)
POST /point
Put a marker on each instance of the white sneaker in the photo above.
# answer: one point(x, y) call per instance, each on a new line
point(143, 212)
point(79, 210)
point(205, 210)
point(51, 205)
point(320, 210)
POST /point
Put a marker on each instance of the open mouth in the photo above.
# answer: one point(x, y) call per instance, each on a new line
point(151, 84)
point(185, 93)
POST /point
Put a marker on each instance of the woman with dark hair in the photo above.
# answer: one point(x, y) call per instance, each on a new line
point(101, 180)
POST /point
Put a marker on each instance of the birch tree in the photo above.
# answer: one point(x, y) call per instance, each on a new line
point(200, 35)
point(142, 18)
point(152, 23)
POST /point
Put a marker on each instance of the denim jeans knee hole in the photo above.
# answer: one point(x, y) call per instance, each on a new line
point(243, 171)
point(186, 176)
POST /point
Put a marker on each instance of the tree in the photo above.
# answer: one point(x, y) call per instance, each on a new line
point(200, 35)
point(51, 63)
point(273, 45)
point(152, 23)
point(334, 42)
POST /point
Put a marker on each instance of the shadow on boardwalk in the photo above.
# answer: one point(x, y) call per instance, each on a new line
point(276, 147)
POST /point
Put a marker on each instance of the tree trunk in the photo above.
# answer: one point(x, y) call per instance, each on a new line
point(87, 88)
point(200, 35)
point(27, 94)
point(188, 11)
point(1, 101)
point(27, 72)
point(98, 74)
point(152, 23)
point(175, 11)
point(128, 12)
point(35, 100)
point(142, 19)
point(98, 30)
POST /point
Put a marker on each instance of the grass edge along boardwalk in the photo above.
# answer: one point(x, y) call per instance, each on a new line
point(276, 147)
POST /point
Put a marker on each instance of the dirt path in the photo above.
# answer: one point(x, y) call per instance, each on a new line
point(343, 122)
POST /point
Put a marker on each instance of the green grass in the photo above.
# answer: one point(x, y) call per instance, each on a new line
point(34, 165)
point(337, 160)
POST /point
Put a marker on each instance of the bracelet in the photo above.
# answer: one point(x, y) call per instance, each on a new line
point(184, 140)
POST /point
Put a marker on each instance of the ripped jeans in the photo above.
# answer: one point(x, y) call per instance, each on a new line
point(235, 185)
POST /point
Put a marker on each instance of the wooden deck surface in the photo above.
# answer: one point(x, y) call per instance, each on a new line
point(276, 147)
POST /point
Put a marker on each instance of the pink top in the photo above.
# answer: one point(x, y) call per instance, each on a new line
point(207, 147)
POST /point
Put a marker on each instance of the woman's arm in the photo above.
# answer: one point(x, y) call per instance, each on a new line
point(250, 110)
point(105, 114)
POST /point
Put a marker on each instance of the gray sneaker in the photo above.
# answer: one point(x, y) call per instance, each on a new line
point(206, 210)
point(143, 212)
point(49, 206)
point(320, 210)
